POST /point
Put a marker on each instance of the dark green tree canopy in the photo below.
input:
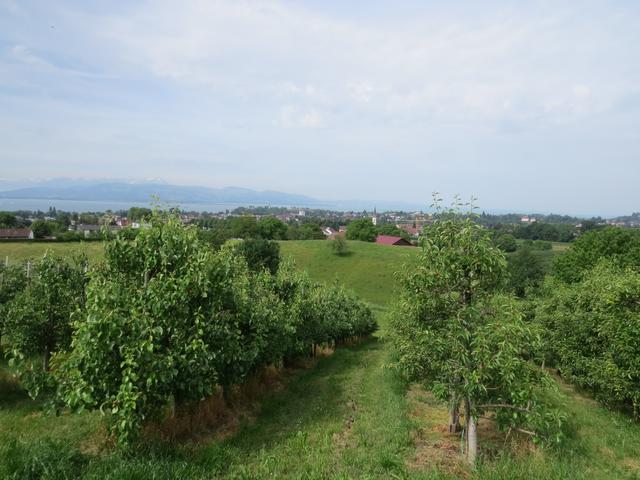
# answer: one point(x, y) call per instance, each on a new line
point(270, 228)
point(362, 229)
point(620, 245)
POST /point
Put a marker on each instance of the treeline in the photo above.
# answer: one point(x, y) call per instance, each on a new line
point(217, 231)
point(489, 219)
point(364, 230)
point(459, 329)
point(163, 322)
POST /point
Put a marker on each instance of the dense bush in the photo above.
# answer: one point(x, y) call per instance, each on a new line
point(362, 229)
point(169, 319)
point(13, 279)
point(260, 254)
point(506, 242)
point(593, 331)
point(546, 231)
point(621, 245)
point(339, 245)
point(525, 271)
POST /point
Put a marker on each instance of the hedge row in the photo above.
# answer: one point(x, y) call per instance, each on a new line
point(166, 320)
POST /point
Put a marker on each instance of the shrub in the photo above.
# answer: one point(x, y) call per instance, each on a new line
point(593, 328)
point(339, 246)
point(260, 253)
point(525, 271)
point(620, 245)
point(362, 229)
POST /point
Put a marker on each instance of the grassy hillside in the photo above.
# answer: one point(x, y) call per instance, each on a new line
point(347, 417)
point(368, 269)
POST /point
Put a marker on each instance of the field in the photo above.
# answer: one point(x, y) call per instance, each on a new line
point(346, 417)
point(17, 252)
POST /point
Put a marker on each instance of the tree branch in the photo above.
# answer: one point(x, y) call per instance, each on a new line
point(504, 405)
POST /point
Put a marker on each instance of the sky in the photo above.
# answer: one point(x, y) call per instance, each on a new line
point(528, 106)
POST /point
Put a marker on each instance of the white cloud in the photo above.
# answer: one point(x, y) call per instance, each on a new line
point(291, 116)
point(453, 68)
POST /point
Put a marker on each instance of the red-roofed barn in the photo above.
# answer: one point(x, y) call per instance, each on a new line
point(16, 234)
point(391, 240)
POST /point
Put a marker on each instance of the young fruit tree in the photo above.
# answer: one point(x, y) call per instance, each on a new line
point(163, 326)
point(13, 279)
point(469, 344)
point(38, 318)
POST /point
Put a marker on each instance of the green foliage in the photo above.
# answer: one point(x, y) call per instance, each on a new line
point(546, 231)
point(38, 321)
point(168, 320)
point(538, 245)
point(507, 243)
point(13, 279)
point(525, 271)
point(449, 324)
point(339, 245)
point(139, 214)
point(362, 229)
point(390, 229)
point(243, 227)
point(260, 254)
point(42, 228)
point(8, 220)
point(270, 228)
point(593, 327)
point(621, 245)
point(307, 231)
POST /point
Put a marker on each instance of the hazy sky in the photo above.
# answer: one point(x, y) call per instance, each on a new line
point(530, 107)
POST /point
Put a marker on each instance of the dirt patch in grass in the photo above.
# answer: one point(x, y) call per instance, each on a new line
point(435, 447)
point(345, 438)
point(632, 464)
point(220, 415)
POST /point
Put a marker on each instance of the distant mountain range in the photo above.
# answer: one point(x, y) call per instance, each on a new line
point(65, 189)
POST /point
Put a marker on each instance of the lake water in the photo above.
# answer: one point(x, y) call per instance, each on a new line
point(10, 204)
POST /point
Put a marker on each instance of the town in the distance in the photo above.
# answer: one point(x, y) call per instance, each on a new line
point(294, 223)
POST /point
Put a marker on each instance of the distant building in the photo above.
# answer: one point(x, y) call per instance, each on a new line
point(410, 229)
point(16, 234)
point(391, 240)
point(329, 232)
point(87, 230)
point(302, 213)
point(527, 219)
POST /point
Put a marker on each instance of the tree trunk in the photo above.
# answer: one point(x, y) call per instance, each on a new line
point(45, 360)
point(471, 434)
point(454, 415)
